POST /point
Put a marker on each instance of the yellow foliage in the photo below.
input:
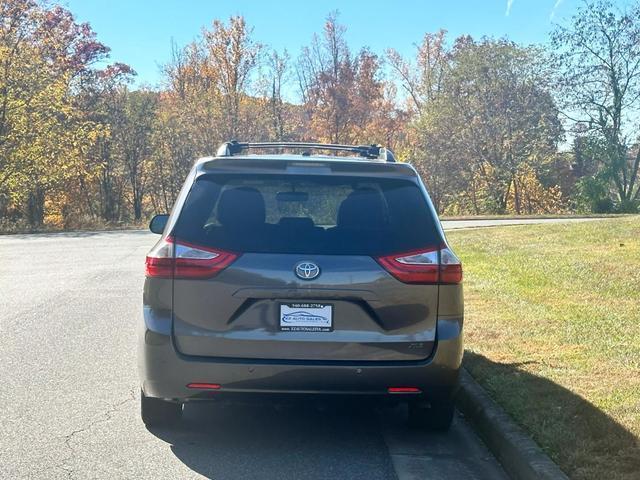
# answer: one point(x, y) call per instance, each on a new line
point(524, 194)
point(528, 196)
point(53, 208)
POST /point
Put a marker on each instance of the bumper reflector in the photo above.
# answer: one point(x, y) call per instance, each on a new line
point(204, 386)
point(403, 390)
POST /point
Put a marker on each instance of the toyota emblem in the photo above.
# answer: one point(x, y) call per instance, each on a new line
point(307, 270)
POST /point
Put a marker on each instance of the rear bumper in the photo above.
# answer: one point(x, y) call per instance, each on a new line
point(164, 372)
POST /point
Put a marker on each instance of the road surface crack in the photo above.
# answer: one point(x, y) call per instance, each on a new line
point(101, 418)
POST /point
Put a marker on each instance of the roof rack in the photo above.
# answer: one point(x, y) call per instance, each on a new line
point(378, 152)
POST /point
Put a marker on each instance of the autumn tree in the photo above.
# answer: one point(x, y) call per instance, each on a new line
point(44, 53)
point(136, 143)
point(485, 123)
point(208, 84)
point(232, 53)
point(423, 80)
point(274, 81)
point(345, 97)
point(505, 117)
point(428, 129)
point(326, 77)
point(103, 180)
point(598, 59)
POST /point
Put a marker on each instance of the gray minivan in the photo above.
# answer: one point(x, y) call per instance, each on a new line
point(301, 274)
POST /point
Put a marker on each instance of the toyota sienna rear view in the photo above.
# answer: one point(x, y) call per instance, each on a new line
point(301, 273)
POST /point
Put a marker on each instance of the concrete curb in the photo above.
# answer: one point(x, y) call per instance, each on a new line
point(519, 455)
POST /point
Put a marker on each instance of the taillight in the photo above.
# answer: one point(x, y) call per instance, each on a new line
point(450, 267)
point(177, 259)
point(431, 265)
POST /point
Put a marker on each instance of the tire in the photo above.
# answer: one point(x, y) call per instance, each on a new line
point(157, 412)
point(434, 417)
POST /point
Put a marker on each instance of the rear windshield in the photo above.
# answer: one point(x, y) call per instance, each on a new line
point(307, 214)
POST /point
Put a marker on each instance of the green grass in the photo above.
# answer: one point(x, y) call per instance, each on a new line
point(553, 333)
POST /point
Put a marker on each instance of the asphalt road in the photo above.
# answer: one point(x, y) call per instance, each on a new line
point(69, 304)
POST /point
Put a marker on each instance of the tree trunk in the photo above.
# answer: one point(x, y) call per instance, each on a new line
point(137, 207)
point(516, 196)
point(35, 206)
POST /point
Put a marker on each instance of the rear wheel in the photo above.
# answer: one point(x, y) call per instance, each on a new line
point(435, 416)
point(157, 412)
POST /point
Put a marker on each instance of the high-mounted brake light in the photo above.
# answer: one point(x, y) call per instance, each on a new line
point(177, 259)
point(431, 265)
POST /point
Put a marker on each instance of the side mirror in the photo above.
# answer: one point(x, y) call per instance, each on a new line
point(158, 222)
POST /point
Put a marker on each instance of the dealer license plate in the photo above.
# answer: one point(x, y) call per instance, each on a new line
point(306, 317)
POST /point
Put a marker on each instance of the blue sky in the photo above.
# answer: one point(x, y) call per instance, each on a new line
point(140, 32)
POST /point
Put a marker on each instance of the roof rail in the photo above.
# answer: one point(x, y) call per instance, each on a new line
point(234, 147)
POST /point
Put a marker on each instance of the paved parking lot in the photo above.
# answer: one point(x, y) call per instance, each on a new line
point(69, 305)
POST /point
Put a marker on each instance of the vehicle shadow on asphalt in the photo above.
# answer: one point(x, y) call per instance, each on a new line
point(581, 438)
point(293, 440)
